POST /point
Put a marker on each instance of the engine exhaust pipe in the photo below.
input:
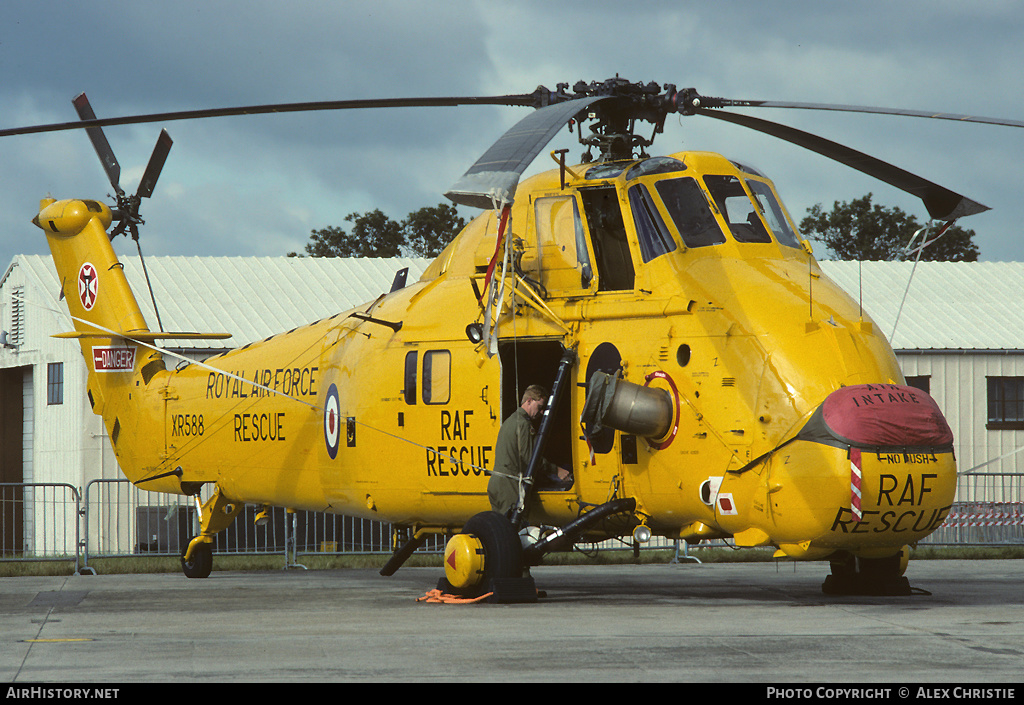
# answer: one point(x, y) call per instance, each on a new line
point(626, 407)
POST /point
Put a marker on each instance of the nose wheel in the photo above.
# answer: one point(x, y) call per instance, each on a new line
point(867, 576)
point(197, 558)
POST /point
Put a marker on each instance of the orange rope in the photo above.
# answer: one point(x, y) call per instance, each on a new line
point(436, 596)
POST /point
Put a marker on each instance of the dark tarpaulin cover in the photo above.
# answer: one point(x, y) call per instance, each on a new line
point(878, 416)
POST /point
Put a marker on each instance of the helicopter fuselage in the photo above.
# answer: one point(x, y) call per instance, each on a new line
point(682, 274)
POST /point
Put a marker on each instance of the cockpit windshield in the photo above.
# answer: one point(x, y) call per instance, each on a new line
point(773, 214)
point(689, 209)
point(737, 208)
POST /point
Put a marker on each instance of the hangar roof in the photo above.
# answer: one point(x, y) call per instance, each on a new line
point(250, 297)
point(948, 306)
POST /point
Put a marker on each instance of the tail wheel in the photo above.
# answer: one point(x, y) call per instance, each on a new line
point(201, 562)
point(488, 549)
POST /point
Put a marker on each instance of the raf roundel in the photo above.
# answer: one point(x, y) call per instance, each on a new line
point(332, 422)
point(88, 285)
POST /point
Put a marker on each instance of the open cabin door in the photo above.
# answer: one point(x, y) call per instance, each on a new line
point(558, 259)
point(570, 254)
point(526, 362)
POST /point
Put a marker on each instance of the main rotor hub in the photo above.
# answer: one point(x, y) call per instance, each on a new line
point(613, 132)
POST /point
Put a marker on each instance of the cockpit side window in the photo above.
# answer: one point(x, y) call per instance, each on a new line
point(655, 239)
point(608, 237)
point(690, 213)
point(737, 209)
point(773, 213)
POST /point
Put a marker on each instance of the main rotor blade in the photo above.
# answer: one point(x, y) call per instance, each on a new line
point(99, 140)
point(527, 99)
point(725, 102)
point(156, 165)
point(941, 202)
point(496, 173)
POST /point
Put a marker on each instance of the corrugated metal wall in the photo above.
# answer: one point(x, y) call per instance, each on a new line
point(959, 386)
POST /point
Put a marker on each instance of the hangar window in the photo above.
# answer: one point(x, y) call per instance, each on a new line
point(1005, 403)
point(55, 383)
point(17, 335)
point(922, 382)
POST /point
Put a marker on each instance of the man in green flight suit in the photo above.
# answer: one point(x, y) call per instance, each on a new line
point(512, 453)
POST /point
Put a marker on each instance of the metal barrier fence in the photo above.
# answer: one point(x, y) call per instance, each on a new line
point(120, 519)
point(988, 511)
point(40, 521)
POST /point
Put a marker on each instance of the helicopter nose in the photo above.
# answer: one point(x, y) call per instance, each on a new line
point(880, 416)
point(877, 468)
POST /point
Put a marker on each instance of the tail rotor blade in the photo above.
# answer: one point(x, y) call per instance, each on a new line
point(156, 164)
point(99, 142)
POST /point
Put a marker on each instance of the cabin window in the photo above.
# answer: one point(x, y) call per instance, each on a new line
point(55, 383)
point(773, 214)
point(1005, 403)
point(655, 239)
point(562, 261)
point(437, 376)
point(737, 209)
point(409, 391)
point(690, 213)
point(608, 236)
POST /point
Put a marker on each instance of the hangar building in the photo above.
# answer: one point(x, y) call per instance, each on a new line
point(48, 433)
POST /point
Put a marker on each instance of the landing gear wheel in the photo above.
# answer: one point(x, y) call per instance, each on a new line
point(866, 576)
point(201, 563)
point(502, 562)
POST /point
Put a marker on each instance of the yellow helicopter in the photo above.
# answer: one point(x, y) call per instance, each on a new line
point(707, 380)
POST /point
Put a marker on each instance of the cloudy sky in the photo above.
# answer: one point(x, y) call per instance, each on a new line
point(257, 185)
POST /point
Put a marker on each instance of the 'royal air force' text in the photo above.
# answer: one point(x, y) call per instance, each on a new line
point(296, 382)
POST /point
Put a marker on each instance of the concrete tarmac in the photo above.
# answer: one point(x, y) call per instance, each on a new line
point(738, 623)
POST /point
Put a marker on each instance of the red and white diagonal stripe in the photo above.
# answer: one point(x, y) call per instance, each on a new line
point(855, 480)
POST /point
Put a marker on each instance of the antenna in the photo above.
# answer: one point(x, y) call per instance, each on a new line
point(860, 286)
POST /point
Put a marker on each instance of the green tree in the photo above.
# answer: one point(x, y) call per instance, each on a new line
point(424, 233)
point(430, 229)
point(861, 230)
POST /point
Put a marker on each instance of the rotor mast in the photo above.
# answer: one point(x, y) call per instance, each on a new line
point(613, 134)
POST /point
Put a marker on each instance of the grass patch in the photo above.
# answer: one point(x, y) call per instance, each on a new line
point(171, 564)
point(966, 552)
point(711, 554)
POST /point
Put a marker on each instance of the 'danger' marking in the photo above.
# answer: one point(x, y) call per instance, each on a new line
point(109, 358)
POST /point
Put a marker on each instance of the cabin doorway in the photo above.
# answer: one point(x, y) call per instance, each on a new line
point(526, 362)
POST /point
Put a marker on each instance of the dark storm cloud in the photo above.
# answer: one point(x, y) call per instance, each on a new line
point(257, 185)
